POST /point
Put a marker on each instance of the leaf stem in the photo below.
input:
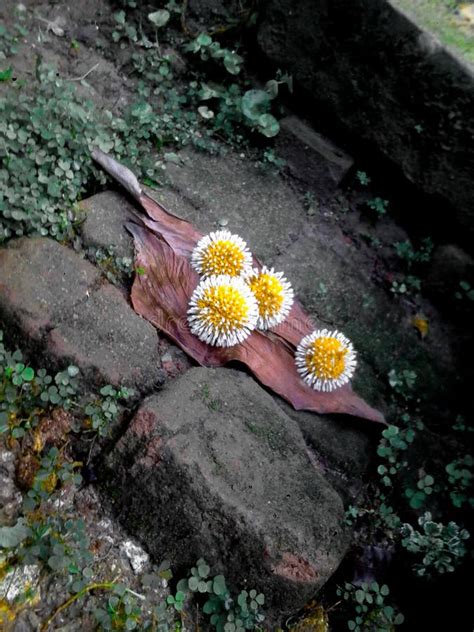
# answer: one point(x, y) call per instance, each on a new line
point(81, 593)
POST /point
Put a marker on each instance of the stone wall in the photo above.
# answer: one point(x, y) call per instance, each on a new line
point(387, 82)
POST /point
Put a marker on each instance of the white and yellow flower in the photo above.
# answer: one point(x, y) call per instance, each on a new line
point(274, 296)
point(221, 252)
point(223, 311)
point(325, 360)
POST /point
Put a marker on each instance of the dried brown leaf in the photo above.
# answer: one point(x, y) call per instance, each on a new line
point(161, 295)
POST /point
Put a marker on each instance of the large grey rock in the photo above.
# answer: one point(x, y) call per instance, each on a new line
point(214, 468)
point(340, 446)
point(389, 83)
point(104, 224)
point(67, 312)
point(259, 206)
point(311, 158)
point(450, 265)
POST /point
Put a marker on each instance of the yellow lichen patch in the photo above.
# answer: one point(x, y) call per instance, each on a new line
point(49, 484)
point(223, 307)
point(269, 292)
point(4, 566)
point(7, 615)
point(325, 358)
point(315, 620)
point(222, 257)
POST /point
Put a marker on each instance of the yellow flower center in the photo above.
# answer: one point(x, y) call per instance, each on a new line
point(222, 257)
point(325, 358)
point(269, 293)
point(224, 307)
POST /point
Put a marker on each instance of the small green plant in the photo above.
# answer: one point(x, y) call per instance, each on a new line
point(26, 394)
point(226, 614)
point(123, 30)
point(392, 446)
point(116, 269)
point(121, 611)
point(10, 39)
point(424, 488)
point(368, 607)
point(363, 178)
point(466, 292)
point(270, 158)
point(460, 478)
point(378, 205)
point(406, 285)
point(403, 382)
point(371, 240)
point(104, 410)
point(440, 546)
point(407, 252)
point(207, 48)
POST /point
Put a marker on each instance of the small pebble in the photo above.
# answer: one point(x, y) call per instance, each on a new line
point(137, 557)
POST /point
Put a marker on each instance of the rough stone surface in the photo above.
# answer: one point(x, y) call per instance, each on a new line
point(10, 496)
point(358, 63)
point(258, 206)
point(105, 216)
point(312, 159)
point(449, 266)
point(69, 314)
point(213, 468)
point(339, 446)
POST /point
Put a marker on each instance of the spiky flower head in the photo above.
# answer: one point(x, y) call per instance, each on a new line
point(325, 360)
point(274, 296)
point(221, 252)
point(223, 311)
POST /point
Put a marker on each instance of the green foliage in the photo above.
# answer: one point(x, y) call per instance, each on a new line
point(6, 75)
point(363, 178)
point(204, 45)
point(53, 469)
point(368, 608)
point(121, 611)
point(403, 382)
point(48, 135)
point(159, 18)
point(26, 394)
point(424, 488)
point(460, 480)
point(394, 443)
point(378, 205)
point(226, 614)
point(42, 535)
point(116, 269)
point(45, 153)
point(203, 108)
point(103, 411)
point(406, 285)
point(410, 256)
point(440, 546)
point(10, 39)
point(465, 291)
